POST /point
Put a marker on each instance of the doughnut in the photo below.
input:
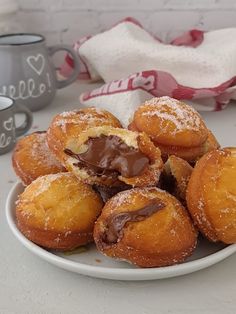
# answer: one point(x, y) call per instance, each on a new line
point(57, 211)
point(210, 144)
point(170, 122)
point(190, 154)
point(175, 177)
point(113, 156)
point(147, 227)
point(175, 127)
point(211, 195)
point(71, 123)
point(32, 158)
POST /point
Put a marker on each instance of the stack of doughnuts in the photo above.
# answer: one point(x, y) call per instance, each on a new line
point(142, 194)
point(175, 127)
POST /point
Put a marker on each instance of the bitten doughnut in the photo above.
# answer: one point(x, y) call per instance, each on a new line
point(114, 156)
point(175, 127)
point(32, 158)
point(175, 176)
point(145, 226)
point(71, 123)
point(211, 195)
point(58, 211)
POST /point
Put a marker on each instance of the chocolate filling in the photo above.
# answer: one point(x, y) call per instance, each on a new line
point(109, 155)
point(117, 222)
point(92, 170)
point(107, 192)
point(167, 182)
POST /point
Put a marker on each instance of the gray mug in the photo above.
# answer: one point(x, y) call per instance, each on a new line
point(8, 130)
point(27, 73)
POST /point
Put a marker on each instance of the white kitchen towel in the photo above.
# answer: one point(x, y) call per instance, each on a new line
point(199, 67)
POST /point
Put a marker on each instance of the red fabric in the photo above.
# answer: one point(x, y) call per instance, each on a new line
point(192, 38)
point(159, 83)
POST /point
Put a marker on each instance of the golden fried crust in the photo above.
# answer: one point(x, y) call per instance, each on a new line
point(170, 122)
point(181, 171)
point(151, 175)
point(71, 123)
point(132, 127)
point(58, 211)
point(165, 238)
point(32, 158)
point(211, 195)
point(190, 154)
point(141, 141)
point(210, 144)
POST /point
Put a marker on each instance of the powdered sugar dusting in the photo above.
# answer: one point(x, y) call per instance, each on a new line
point(67, 233)
point(43, 183)
point(46, 222)
point(180, 114)
point(90, 116)
point(66, 114)
point(201, 216)
point(41, 152)
point(231, 197)
point(58, 238)
point(125, 197)
point(120, 199)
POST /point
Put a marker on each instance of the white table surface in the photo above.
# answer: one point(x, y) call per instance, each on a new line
point(31, 285)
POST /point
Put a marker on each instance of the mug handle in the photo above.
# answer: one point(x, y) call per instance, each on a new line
point(28, 119)
point(75, 72)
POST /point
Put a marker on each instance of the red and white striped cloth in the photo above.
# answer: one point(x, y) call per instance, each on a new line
point(197, 67)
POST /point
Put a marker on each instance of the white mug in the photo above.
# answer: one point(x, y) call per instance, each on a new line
point(8, 129)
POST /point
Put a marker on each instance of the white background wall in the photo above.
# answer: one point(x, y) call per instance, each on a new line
point(68, 20)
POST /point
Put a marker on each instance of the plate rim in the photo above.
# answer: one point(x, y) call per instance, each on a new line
point(112, 273)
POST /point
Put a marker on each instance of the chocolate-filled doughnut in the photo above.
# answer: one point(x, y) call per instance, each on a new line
point(147, 227)
point(32, 158)
point(211, 195)
point(113, 156)
point(70, 124)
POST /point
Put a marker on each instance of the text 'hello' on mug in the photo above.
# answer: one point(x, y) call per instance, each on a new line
point(8, 130)
point(27, 73)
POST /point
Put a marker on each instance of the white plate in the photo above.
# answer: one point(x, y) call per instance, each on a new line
point(92, 263)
